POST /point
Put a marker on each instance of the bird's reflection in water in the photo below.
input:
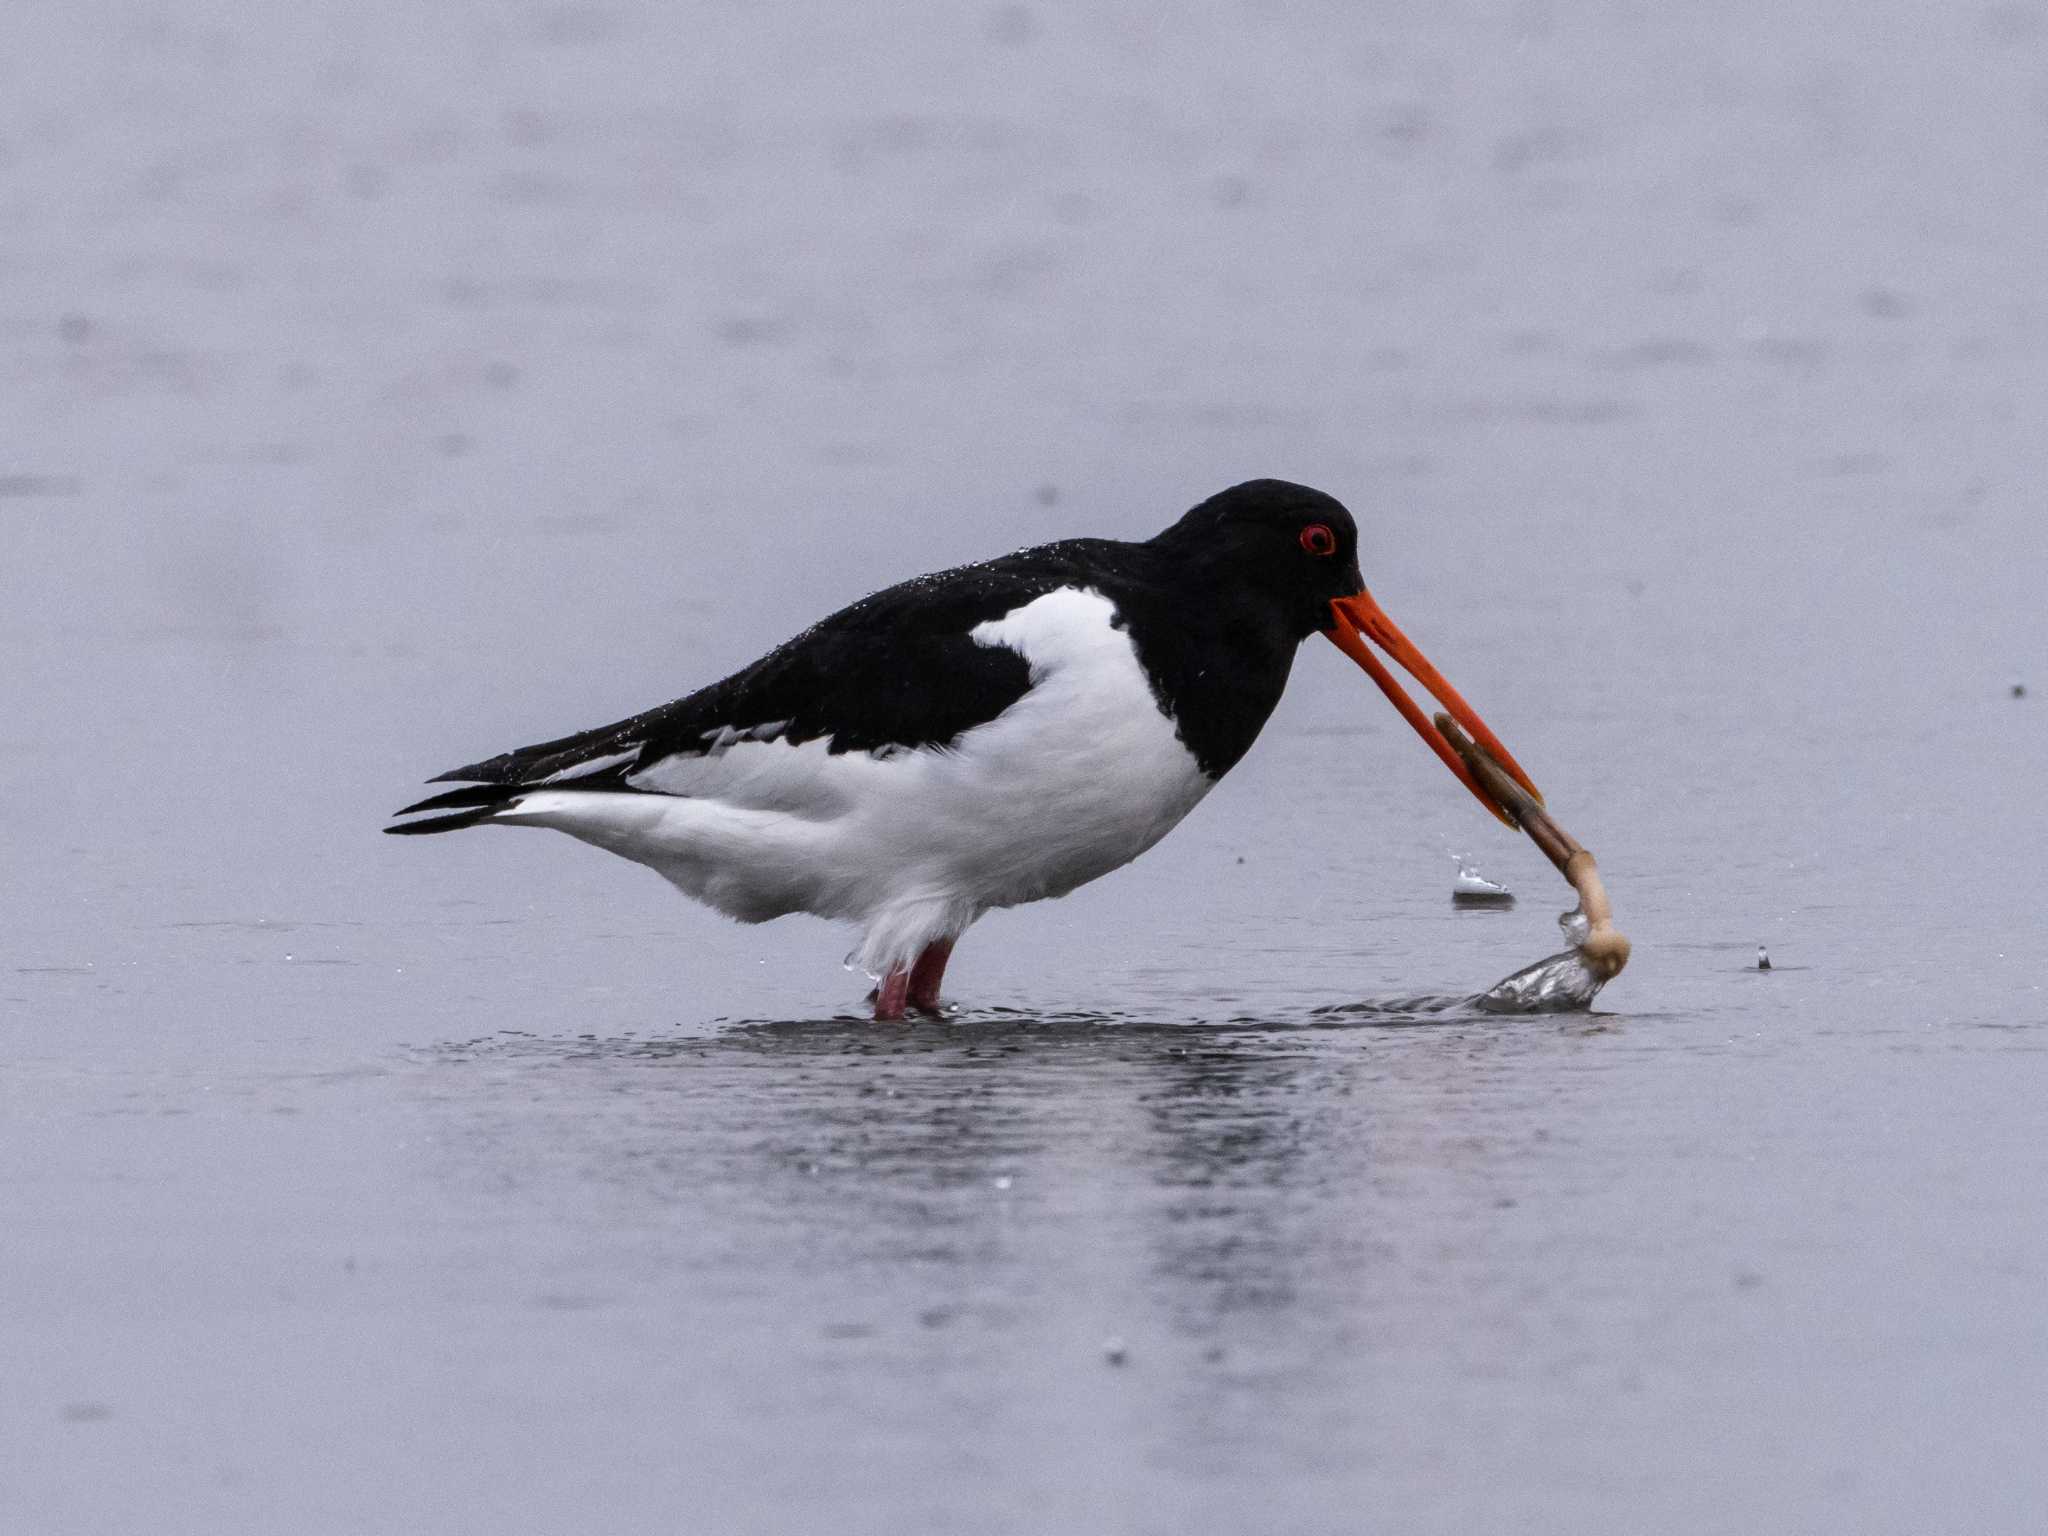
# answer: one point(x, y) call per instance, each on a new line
point(970, 1198)
point(883, 1120)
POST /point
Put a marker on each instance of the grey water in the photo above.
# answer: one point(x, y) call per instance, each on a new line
point(383, 385)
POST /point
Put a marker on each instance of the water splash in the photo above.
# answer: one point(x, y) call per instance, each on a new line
point(1561, 984)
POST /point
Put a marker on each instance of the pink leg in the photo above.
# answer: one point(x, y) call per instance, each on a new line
point(890, 995)
point(926, 975)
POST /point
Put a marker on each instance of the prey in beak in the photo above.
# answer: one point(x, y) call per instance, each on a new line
point(1357, 620)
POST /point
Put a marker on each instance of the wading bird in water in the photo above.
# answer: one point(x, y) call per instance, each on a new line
point(973, 739)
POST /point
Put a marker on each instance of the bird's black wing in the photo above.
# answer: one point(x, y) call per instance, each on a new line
point(894, 670)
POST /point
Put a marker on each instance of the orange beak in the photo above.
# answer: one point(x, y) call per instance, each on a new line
point(1354, 621)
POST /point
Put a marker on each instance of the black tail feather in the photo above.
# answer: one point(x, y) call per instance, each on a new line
point(501, 781)
point(471, 795)
point(549, 757)
point(450, 823)
point(471, 805)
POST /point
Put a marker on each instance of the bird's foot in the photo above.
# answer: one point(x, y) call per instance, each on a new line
point(913, 988)
point(926, 975)
point(892, 997)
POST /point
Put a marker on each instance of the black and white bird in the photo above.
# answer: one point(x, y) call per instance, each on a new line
point(973, 739)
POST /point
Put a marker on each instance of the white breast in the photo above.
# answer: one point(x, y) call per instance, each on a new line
point(1083, 773)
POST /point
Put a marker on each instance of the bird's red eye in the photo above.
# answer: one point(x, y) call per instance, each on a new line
point(1318, 540)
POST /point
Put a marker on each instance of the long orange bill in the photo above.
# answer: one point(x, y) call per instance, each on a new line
point(1354, 621)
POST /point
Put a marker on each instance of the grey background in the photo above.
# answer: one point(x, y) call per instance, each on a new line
point(385, 384)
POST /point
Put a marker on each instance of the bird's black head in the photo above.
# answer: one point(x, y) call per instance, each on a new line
point(1295, 547)
point(1283, 559)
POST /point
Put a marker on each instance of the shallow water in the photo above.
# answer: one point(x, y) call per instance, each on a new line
point(379, 388)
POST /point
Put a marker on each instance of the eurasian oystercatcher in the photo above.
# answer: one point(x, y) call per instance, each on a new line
point(978, 738)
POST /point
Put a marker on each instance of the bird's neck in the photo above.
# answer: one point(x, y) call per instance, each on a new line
point(1217, 656)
